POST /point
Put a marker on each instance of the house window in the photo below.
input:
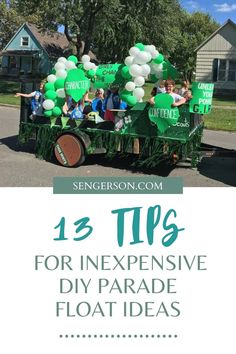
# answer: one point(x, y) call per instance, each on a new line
point(232, 70)
point(24, 41)
point(224, 70)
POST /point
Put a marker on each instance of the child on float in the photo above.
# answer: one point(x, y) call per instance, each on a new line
point(184, 88)
point(73, 109)
point(160, 86)
point(36, 100)
point(169, 87)
point(98, 102)
point(112, 101)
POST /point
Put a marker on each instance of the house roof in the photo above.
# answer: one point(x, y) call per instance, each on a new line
point(214, 33)
point(54, 43)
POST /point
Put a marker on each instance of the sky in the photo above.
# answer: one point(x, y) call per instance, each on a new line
point(219, 10)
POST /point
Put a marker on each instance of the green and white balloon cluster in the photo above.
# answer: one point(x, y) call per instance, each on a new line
point(54, 92)
point(142, 61)
point(88, 66)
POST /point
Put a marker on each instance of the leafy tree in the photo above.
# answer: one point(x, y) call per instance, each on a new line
point(194, 29)
point(109, 28)
point(151, 22)
point(10, 20)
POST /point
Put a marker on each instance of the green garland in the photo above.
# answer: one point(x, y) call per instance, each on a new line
point(44, 136)
point(152, 150)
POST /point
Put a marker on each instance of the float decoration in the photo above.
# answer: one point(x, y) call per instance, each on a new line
point(76, 84)
point(202, 98)
point(163, 114)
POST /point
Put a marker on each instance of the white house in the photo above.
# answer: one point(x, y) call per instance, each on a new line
point(216, 59)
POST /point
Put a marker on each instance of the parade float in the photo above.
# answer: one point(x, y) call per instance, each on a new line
point(153, 133)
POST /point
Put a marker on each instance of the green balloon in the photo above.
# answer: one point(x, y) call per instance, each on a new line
point(60, 101)
point(140, 46)
point(73, 58)
point(56, 111)
point(53, 71)
point(125, 72)
point(124, 94)
point(49, 86)
point(50, 94)
point(90, 73)
point(159, 59)
point(80, 66)
point(153, 78)
point(131, 100)
point(48, 113)
point(59, 83)
point(76, 84)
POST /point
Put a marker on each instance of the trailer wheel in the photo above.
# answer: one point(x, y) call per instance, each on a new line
point(69, 150)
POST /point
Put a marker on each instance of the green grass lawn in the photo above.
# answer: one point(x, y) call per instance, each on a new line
point(7, 92)
point(6, 98)
point(221, 119)
point(224, 101)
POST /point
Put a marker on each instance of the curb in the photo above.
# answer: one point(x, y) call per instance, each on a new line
point(9, 105)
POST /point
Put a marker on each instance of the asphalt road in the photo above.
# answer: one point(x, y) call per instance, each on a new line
point(20, 168)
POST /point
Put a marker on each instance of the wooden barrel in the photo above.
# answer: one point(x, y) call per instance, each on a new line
point(69, 150)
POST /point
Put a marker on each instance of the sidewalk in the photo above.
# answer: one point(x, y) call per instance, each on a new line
point(224, 107)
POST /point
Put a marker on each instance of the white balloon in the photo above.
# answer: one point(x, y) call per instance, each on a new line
point(85, 58)
point(62, 60)
point(134, 51)
point(157, 67)
point(154, 54)
point(51, 78)
point(48, 104)
point(129, 60)
point(93, 66)
point(149, 57)
point(138, 93)
point(142, 58)
point(61, 73)
point(135, 70)
point(159, 74)
point(61, 93)
point(145, 70)
point(88, 65)
point(70, 65)
point(149, 48)
point(153, 71)
point(130, 86)
point(59, 66)
point(139, 81)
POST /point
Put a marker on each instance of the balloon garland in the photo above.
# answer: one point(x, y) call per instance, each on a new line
point(143, 61)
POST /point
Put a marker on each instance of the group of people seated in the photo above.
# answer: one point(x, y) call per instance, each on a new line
point(105, 105)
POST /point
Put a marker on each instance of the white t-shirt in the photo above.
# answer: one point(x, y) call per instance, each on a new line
point(176, 97)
